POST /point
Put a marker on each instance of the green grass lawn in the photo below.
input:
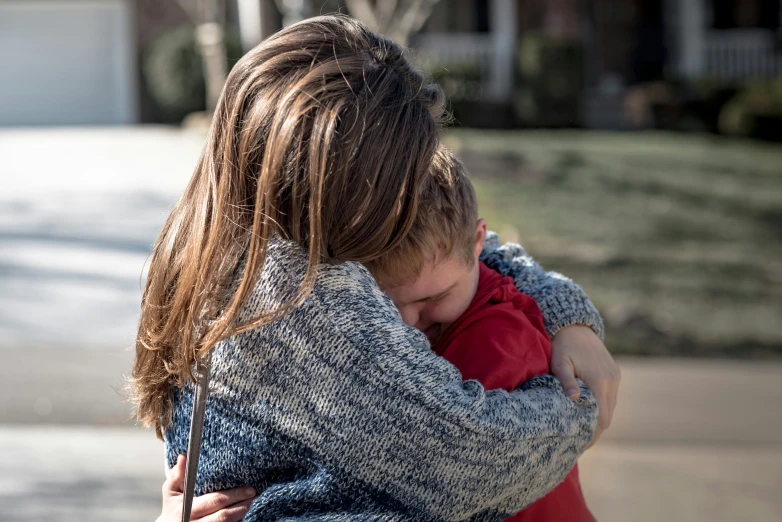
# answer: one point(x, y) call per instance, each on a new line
point(677, 238)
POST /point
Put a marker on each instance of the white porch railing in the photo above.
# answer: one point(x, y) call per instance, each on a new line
point(741, 54)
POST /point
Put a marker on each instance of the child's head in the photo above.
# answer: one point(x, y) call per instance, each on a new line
point(433, 274)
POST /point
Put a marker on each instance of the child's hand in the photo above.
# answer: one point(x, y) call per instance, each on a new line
point(223, 506)
point(577, 352)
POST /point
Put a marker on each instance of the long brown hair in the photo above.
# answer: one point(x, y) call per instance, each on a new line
point(322, 135)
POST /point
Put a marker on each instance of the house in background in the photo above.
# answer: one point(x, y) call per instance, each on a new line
point(728, 39)
point(67, 62)
point(729, 42)
point(77, 61)
point(478, 34)
point(624, 43)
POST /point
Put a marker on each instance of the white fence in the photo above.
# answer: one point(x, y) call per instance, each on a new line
point(742, 54)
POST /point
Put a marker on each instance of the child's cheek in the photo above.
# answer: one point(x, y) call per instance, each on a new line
point(448, 311)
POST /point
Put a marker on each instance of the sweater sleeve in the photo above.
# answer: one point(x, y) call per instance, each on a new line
point(455, 448)
point(338, 409)
point(562, 301)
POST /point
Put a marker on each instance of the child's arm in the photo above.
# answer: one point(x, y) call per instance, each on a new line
point(562, 302)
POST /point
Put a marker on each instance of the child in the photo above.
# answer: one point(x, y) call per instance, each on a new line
point(474, 317)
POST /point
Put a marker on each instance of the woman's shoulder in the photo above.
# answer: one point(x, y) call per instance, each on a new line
point(346, 290)
point(345, 317)
point(345, 303)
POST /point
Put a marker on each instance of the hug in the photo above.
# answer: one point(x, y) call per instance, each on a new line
point(375, 353)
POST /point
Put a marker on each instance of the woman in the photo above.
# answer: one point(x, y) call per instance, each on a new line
point(321, 398)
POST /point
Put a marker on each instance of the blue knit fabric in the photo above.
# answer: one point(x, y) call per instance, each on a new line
point(562, 302)
point(339, 411)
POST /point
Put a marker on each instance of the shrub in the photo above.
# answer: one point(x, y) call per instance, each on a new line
point(460, 82)
point(173, 71)
point(550, 81)
point(755, 112)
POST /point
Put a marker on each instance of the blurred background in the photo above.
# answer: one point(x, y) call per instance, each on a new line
point(633, 145)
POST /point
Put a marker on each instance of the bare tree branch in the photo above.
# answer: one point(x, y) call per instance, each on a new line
point(191, 10)
point(425, 11)
point(203, 11)
point(386, 10)
point(395, 19)
point(363, 10)
point(208, 17)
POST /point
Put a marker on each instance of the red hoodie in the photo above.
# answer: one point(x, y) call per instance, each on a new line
point(514, 347)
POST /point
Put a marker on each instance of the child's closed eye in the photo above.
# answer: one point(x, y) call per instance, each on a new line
point(436, 298)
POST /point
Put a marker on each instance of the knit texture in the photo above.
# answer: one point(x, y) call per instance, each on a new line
point(339, 411)
point(562, 302)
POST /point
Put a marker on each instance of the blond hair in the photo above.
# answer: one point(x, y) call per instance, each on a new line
point(444, 226)
point(323, 135)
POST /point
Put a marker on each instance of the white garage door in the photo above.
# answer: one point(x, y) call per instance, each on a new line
point(66, 62)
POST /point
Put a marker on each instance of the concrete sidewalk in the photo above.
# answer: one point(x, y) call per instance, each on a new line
point(79, 212)
point(693, 440)
point(646, 482)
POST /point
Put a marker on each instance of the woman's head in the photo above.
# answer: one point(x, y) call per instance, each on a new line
point(323, 135)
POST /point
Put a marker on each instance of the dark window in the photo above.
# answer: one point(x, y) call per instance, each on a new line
point(746, 14)
point(481, 8)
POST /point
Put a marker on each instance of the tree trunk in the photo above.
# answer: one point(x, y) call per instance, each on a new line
point(211, 42)
point(208, 16)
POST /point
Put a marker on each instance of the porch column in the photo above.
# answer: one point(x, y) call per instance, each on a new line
point(691, 37)
point(502, 22)
point(257, 21)
point(250, 23)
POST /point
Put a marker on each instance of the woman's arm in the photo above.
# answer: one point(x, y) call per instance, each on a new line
point(422, 446)
point(339, 408)
point(572, 321)
point(562, 302)
point(486, 451)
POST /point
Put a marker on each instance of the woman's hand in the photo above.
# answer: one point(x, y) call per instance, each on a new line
point(223, 506)
point(577, 352)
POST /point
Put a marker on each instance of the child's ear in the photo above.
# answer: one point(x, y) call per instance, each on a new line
point(480, 237)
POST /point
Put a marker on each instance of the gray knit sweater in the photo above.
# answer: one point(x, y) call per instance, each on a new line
point(341, 412)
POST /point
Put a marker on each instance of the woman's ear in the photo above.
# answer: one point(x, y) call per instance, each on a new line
point(480, 237)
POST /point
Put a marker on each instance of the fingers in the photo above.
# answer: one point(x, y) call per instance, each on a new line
point(233, 513)
point(604, 406)
point(578, 352)
point(606, 392)
point(610, 392)
point(212, 503)
point(564, 371)
point(175, 483)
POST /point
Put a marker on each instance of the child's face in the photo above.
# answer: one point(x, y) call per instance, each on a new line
point(441, 293)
